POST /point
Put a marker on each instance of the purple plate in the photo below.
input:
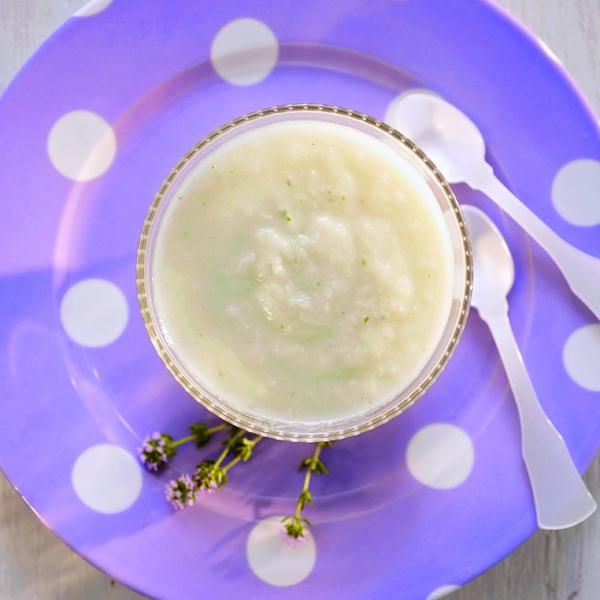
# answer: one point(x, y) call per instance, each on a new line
point(89, 129)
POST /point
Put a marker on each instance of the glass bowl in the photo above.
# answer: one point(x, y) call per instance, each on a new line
point(461, 283)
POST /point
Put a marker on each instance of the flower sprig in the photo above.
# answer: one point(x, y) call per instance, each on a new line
point(294, 527)
point(211, 475)
point(158, 448)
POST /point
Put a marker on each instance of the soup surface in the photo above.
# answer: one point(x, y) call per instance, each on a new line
point(303, 272)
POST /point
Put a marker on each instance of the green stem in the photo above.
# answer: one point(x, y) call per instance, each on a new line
point(227, 447)
point(237, 459)
point(307, 477)
point(193, 437)
point(218, 428)
point(184, 440)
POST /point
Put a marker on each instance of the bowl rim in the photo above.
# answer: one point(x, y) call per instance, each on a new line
point(246, 423)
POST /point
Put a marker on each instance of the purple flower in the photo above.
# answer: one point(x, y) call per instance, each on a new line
point(211, 488)
point(181, 492)
point(209, 477)
point(156, 449)
point(295, 535)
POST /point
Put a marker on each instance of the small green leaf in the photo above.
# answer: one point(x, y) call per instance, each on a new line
point(320, 468)
point(305, 463)
point(305, 497)
point(200, 432)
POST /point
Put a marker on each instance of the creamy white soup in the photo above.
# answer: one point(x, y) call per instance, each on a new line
point(303, 272)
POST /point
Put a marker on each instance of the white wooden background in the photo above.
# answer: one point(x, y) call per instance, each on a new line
point(35, 565)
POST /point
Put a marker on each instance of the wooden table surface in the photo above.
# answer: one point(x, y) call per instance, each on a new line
point(564, 565)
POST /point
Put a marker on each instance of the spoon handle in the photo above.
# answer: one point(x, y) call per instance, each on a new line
point(581, 270)
point(560, 495)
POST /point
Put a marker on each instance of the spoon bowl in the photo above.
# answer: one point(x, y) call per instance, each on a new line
point(446, 135)
point(492, 260)
point(560, 496)
point(456, 146)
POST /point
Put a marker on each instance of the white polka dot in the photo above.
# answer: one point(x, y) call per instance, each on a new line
point(442, 591)
point(94, 312)
point(81, 145)
point(581, 357)
point(92, 8)
point(440, 455)
point(273, 559)
point(244, 52)
point(107, 478)
point(576, 192)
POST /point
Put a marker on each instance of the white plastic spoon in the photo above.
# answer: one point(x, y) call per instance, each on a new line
point(560, 495)
point(457, 148)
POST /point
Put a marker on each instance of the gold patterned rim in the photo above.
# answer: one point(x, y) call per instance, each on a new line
point(246, 421)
